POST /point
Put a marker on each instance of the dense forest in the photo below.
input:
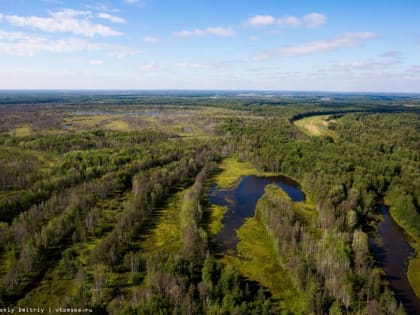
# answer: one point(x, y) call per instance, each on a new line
point(104, 202)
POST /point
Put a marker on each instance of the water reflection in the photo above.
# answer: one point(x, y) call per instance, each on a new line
point(393, 252)
point(241, 202)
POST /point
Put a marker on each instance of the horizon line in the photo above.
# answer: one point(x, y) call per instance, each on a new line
point(203, 90)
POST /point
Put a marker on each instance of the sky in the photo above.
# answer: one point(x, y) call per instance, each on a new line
point(358, 45)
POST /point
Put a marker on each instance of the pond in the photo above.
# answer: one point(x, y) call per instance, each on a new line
point(241, 202)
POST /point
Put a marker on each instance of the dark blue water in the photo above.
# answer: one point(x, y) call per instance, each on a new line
point(241, 202)
point(393, 252)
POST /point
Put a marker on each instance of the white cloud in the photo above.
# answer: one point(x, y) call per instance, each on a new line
point(391, 54)
point(52, 1)
point(68, 20)
point(274, 32)
point(208, 65)
point(35, 45)
point(121, 52)
point(95, 61)
point(290, 21)
point(261, 20)
point(98, 7)
point(192, 65)
point(363, 65)
point(11, 36)
point(149, 67)
point(414, 69)
point(314, 20)
point(112, 18)
point(343, 41)
point(217, 31)
point(28, 44)
point(150, 39)
point(311, 20)
point(139, 3)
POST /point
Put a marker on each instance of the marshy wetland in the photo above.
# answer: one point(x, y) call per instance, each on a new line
point(186, 203)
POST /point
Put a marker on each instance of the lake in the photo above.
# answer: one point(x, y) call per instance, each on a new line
point(241, 202)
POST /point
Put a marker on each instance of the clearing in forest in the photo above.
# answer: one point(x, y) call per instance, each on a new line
point(167, 235)
point(316, 126)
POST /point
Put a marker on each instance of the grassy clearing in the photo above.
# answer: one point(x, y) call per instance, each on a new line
point(216, 217)
point(232, 170)
point(166, 236)
point(22, 131)
point(86, 121)
point(101, 121)
point(414, 274)
point(316, 126)
point(192, 122)
point(184, 123)
point(117, 125)
point(109, 212)
point(305, 212)
point(257, 260)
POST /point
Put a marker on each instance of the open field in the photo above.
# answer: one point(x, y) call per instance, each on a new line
point(231, 170)
point(185, 122)
point(22, 131)
point(316, 126)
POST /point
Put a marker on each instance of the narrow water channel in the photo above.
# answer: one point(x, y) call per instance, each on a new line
point(393, 252)
point(241, 202)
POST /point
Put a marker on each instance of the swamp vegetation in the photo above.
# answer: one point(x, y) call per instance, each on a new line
point(105, 201)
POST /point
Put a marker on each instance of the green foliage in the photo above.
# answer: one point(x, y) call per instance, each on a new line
point(257, 259)
point(414, 274)
point(404, 208)
point(80, 204)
